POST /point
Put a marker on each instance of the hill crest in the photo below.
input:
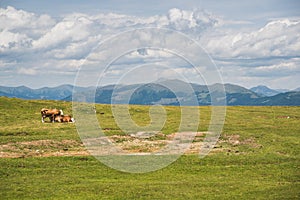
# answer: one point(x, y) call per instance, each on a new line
point(165, 92)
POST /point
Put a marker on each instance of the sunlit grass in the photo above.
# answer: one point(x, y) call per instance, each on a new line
point(264, 165)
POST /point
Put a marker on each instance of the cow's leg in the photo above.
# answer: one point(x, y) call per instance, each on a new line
point(52, 118)
point(43, 120)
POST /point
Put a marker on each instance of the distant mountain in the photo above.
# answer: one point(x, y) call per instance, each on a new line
point(55, 93)
point(4, 94)
point(172, 92)
point(176, 92)
point(264, 91)
point(282, 99)
point(164, 92)
point(282, 90)
point(297, 89)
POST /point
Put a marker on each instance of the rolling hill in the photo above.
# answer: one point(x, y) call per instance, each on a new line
point(55, 93)
point(264, 91)
point(164, 92)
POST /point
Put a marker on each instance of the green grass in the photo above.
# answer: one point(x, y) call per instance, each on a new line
point(265, 168)
point(21, 121)
point(217, 176)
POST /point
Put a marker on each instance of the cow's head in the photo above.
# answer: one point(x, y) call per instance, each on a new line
point(44, 111)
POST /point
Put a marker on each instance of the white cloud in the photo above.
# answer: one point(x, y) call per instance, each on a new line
point(28, 23)
point(10, 40)
point(24, 29)
point(149, 54)
point(71, 29)
point(27, 71)
point(38, 44)
point(277, 38)
point(284, 68)
point(184, 20)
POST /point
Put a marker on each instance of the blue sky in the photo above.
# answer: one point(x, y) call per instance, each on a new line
point(44, 43)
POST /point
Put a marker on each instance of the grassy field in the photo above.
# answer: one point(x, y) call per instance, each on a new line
point(257, 157)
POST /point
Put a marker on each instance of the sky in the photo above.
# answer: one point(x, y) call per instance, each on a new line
point(49, 43)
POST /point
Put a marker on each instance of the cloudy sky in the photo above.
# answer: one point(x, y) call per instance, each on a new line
point(45, 43)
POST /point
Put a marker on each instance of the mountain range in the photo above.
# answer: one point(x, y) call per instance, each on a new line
point(165, 92)
point(265, 91)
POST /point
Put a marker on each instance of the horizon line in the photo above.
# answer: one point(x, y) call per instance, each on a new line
point(111, 84)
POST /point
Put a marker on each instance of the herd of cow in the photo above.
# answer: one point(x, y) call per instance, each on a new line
point(55, 115)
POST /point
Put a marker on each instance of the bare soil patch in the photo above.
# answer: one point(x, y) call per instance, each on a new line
point(136, 143)
point(42, 148)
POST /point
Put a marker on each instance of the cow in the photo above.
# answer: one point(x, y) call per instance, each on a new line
point(50, 113)
point(64, 118)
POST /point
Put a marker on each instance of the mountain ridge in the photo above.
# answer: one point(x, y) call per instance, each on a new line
point(265, 91)
point(165, 92)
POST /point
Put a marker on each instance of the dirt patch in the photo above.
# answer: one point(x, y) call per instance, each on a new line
point(236, 140)
point(42, 148)
point(136, 143)
point(231, 144)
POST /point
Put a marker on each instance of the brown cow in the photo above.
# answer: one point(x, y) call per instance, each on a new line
point(64, 118)
point(50, 113)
